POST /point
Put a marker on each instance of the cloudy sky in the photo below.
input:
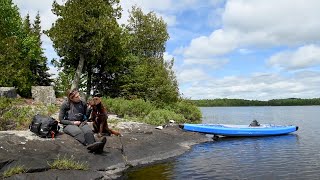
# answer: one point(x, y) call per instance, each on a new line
point(248, 49)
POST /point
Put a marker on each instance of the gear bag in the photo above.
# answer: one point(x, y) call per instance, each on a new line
point(44, 126)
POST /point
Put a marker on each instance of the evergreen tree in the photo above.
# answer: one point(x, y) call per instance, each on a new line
point(149, 77)
point(14, 67)
point(21, 54)
point(41, 76)
point(85, 33)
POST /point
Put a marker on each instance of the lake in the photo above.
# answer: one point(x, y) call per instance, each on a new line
point(292, 156)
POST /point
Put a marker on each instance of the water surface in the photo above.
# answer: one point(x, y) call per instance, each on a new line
point(292, 156)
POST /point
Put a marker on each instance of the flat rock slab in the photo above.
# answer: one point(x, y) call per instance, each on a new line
point(140, 144)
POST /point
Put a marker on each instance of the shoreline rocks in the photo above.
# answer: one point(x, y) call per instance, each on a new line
point(140, 144)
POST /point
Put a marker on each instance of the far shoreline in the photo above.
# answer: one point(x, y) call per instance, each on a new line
point(243, 102)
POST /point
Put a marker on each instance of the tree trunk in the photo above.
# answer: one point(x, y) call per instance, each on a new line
point(89, 84)
point(76, 78)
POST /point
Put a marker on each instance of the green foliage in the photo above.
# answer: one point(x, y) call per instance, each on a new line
point(243, 102)
point(38, 62)
point(187, 109)
point(147, 112)
point(162, 116)
point(86, 30)
point(131, 108)
point(21, 56)
point(148, 76)
point(66, 163)
point(14, 114)
point(14, 170)
point(62, 83)
point(149, 34)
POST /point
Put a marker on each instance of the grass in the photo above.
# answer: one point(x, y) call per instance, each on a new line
point(14, 170)
point(68, 164)
point(59, 163)
point(16, 114)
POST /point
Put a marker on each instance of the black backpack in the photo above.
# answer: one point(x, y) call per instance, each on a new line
point(44, 126)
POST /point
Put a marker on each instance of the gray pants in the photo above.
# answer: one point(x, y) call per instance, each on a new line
point(83, 133)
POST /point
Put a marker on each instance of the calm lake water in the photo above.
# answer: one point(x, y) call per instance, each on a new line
point(293, 156)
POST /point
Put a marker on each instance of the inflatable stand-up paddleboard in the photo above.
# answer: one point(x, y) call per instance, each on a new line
point(241, 130)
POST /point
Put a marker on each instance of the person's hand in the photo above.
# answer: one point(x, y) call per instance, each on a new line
point(77, 123)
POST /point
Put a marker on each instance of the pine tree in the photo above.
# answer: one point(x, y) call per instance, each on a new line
point(42, 77)
point(149, 77)
point(14, 67)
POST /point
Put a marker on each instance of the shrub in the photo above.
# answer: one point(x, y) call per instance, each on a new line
point(14, 114)
point(131, 108)
point(162, 116)
point(189, 111)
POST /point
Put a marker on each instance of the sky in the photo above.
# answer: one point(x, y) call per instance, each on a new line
point(244, 49)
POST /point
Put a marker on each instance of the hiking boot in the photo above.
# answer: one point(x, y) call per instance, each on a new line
point(94, 146)
point(101, 146)
point(97, 147)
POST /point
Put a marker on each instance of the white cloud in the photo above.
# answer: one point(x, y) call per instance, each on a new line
point(164, 8)
point(260, 86)
point(53, 71)
point(167, 57)
point(218, 43)
point(261, 23)
point(244, 51)
point(190, 75)
point(303, 57)
point(212, 63)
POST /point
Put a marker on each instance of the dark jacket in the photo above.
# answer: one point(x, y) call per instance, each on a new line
point(70, 111)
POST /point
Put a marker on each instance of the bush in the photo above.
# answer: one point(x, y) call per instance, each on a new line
point(131, 108)
point(15, 114)
point(162, 116)
point(148, 112)
point(188, 110)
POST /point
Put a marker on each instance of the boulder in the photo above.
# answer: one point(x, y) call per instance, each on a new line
point(9, 92)
point(43, 94)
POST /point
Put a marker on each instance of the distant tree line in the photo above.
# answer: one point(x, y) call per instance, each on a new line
point(243, 102)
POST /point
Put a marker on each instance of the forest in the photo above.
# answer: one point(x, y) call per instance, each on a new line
point(96, 53)
point(243, 102)
point(124, 63)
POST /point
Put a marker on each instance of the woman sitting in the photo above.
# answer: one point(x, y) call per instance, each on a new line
point(72, 116)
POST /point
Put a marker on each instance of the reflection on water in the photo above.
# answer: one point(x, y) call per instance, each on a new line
point(292, 156)
point(154, 172)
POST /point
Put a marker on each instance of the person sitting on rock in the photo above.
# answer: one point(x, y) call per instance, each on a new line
point(72, 115)
point(98, 116)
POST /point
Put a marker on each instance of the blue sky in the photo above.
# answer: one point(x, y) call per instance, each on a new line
point(249, 49)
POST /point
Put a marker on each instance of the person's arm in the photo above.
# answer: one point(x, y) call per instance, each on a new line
point(62, 114)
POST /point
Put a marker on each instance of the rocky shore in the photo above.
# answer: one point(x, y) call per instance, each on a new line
point(140, 144)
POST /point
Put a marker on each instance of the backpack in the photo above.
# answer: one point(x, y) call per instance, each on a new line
point(44, 126)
